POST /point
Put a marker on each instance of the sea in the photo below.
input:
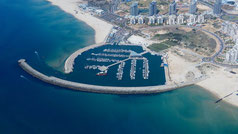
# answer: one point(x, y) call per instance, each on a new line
point(45, 35)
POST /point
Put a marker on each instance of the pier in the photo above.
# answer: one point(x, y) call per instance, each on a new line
point(102, 89)
point(145, 69)
point(120, 70)
point(133, 69)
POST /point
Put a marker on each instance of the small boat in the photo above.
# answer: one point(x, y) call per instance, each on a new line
point(162, 65)
point(103, 73)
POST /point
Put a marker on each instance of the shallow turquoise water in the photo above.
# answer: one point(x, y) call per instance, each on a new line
point(29, 106)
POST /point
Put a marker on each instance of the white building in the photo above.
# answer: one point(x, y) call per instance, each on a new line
point(201, 19)
point(152, 20)
point(192, 19)
point(230, 29)
point(232, 55)
point(180, 19)
point(133, 20)
point(141, 20)
point(160, 20)
point(172, 20)
point(99, 12)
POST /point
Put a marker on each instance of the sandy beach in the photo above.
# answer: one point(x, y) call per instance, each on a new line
point(220, 82)
point(101, 28)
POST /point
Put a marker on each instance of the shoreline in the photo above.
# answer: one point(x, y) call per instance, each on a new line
point(102, 28)
point(216, 95)
point(214, 84)
point(222, 83)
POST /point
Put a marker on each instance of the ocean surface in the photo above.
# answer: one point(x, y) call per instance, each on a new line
point(45, 36)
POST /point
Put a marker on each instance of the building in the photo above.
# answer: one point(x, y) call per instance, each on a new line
point(160, 20)
point(230, 29)
point(192, 19)
point(141, 20)
point(232, 55)
point(217, 7)
point(153, 8)
point(133, 20)
point(201, 19)
point(172, 20)
point(152, 20)
point(99, 12)
point(172, 8)
point(180, 19)
point(193, 7)
point(134, 11)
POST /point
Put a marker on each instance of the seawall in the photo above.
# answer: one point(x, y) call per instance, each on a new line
point(101, 89)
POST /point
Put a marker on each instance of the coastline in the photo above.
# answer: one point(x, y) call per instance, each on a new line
point(101, 28)
point(220, 81)
point(215, 84)
point(221, 84)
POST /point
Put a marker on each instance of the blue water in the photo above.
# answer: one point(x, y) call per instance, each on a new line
point(29, 106)
point(156, 75)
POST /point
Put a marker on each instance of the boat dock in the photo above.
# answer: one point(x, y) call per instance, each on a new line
point(145, 69)
point(133, 69)
point(120, 70)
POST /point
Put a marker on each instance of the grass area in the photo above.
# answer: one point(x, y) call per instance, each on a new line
point(162, 46)
point(158, 47)
point(230, 17)
point(195, 40)
point(216, 25)
point(219, 59)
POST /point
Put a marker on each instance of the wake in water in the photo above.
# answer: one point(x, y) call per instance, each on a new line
point(23, 77)
point(37, 55)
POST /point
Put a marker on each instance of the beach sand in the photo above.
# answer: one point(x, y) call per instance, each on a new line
point(220, 82)
point(101, 28)
point(180, 67)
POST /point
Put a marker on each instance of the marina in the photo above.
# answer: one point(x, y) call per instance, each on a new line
point(123, 65)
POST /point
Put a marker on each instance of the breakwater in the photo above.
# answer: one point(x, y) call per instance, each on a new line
point(102, 89)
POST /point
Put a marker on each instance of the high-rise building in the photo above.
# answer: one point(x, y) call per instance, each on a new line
point(160, 20)
point(134, 9)
point(153, 8)
point(152, 20)
point(172, 8)
point(192, 19)
point(172, 19)
point(133, 20)
point(141, 20)
point(180, 19)
point(201, 18)
point(217, 7)
point(193, 7)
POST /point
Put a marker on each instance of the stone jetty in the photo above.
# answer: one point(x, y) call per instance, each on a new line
point(101, 89)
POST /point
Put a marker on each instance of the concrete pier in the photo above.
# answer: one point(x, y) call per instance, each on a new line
point(101, 89)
